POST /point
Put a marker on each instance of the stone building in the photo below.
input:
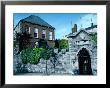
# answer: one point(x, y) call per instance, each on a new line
point(83, 50)
point(38, 29)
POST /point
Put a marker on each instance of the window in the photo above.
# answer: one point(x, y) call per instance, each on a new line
point(36, 33)
point(26, 29)
point(50, 35)
point(44, 34)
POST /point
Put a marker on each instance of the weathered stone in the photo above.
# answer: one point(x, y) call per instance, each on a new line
point(63, 62)
point(76, 43)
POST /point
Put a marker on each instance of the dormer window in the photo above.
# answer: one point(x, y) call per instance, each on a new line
point(36, 33)
point(44, 34)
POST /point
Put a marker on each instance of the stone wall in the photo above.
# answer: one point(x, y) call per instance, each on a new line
point(40, 28)
point(61, 65)
point(22, 26)
point(75, 46)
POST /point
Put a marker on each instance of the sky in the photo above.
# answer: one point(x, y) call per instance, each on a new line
point(62, 22)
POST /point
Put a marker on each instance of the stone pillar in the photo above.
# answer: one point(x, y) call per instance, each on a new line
point(73, 63)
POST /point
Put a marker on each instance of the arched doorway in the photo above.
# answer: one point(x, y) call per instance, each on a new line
point(84, 61)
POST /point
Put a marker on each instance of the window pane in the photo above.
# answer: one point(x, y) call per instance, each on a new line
point(35, 34)
point(50, 35)
point(43, 35)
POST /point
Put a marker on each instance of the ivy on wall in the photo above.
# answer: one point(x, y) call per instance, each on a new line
point(94, 37)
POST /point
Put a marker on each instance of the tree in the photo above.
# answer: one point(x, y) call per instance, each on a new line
point(23, 40)
point(31, 56)
point(25, 55)
point(54, 60)
point(46, 54)
point(56, 43)
point(36, 55)
point(63, 44)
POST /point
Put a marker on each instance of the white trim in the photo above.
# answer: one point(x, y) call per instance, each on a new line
point(44, 32)
point(50, 35)
point(36, 31)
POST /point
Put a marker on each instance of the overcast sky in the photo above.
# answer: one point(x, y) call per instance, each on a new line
point(62, 22)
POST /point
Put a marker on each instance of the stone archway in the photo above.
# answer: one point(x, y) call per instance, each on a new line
point(84, 62)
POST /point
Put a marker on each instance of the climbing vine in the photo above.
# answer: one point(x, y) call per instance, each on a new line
point(94, 37)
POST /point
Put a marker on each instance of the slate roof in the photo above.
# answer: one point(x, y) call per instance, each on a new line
point(82, 30)
point(36, 20)
point(76, 33)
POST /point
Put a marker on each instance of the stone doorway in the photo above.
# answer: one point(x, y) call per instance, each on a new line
point(84, 62)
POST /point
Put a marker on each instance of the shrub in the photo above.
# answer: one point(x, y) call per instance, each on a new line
point(56, 44)
point(22, 40)
point(36, 55)
point(46, 54)
point(25, 55)
point(31, 56)
point(63, 44)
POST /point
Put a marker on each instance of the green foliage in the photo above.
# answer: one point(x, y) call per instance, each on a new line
point(46, 54)
point(94, 37)
point(22, 39)
point(56, 44)
point(25, 54)
point(36, 55)
point(31, 56)
point(63, 44)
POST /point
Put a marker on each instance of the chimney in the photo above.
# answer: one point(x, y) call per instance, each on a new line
point(92, 24)
point(74, 29)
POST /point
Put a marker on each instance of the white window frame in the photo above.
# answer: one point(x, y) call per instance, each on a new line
point(36, 31)
point(50, 36)
point(44, 32)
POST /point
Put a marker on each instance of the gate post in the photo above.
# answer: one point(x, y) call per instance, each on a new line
point(73, 63)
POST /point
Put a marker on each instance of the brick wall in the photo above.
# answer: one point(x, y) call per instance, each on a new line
point(40, 29)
